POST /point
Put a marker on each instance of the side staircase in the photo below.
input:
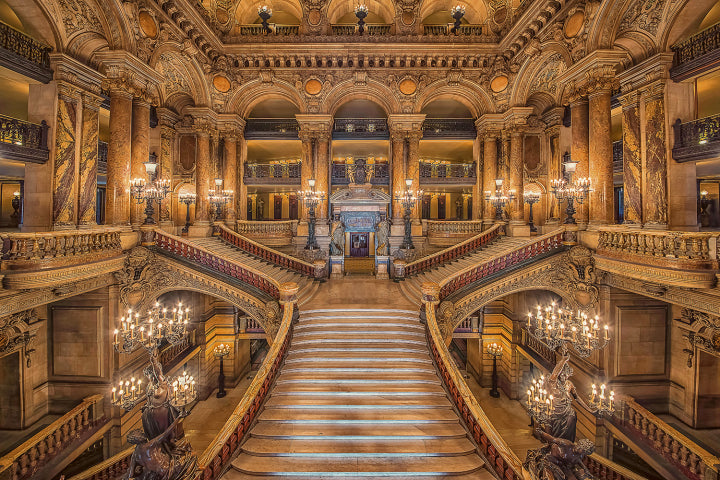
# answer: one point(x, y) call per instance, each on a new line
point(411, 284)
point(358, 396)
point(308, 286)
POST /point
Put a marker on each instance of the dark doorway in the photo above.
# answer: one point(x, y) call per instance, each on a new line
point(293, 207)
point(469, 208)
point(249, 209)
point(277, 214)
point(441, 207)
point(426, 207)
point(359, 245)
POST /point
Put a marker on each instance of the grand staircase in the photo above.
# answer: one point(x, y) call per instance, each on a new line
point(358, 396)
point(216, 245)
point(411, 285)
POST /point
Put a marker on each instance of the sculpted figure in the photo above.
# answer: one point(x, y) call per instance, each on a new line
point(563, 417)
point(382, 234)
point(337, 237)
point(560, 459)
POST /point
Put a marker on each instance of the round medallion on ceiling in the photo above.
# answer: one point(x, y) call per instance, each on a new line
point(574, 24)
point(499, 83)
point(314, 17)
point(222, 16)
point(500, 15)
point(148, 25)
point(313, 86)
point(221, 83)
point(408, 18)
point(407, 86)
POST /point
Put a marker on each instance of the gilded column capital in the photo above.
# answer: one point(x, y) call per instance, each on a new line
point(577, 94)
point(406, 122)
point(552, 130)
point(203, 128)
point(67, 69)
point(91, 100)
point(600, 80)
point(315, 124)
point(68, 91)
point(630, 99)
point(654, 91)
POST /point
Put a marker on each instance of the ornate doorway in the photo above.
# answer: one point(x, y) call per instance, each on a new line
point(359, 244)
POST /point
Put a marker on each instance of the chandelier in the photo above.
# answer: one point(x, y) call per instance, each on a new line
point(539, 403)
point(557, 328)
point(499, 198)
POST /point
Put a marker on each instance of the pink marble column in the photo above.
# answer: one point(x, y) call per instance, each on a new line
point(241, 198)
point(398, 172)
point(321, 172)
point(65, 161)
point(600, 161)
point(580, 112)
point(413, 167)
point(552, 134)
point(202, 178)
point(167, 146)
point(490, 172)
point(230, 175)
point(632, 159)
point(140, 152)
point(117, 202)
point(477, 191)
point(87, 204)
point(307, 168)
point(656, 201)
point(517, 209)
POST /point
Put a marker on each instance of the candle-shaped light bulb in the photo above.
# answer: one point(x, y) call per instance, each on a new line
point(114, 394)
point(115, 340)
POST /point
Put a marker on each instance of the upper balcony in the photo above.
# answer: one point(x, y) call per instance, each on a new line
point(360, 128)
point(23, 54)
point(272, 174)
point(344, 173)
point(697, 140)
point(450, 128)
point(23, 141)
point(462, 174)
point(698, 54)
point(271, 128)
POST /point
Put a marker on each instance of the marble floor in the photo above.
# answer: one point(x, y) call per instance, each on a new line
point(360, 291)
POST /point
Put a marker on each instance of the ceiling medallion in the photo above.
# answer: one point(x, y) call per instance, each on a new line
point(221, 83)
point(574, 24)
point(408, 86)
point(407, 17)
point(499, 83)
point(313, 86)
point(314, 17)
point(500, 15)
point(222, 16)
point(147, 24)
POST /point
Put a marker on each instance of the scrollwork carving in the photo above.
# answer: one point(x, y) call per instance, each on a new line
point(16, 333)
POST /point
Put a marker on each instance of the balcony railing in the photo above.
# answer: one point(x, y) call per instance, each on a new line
point(271, 233)
point(269, 128)
point(102, 157)
point(697, 54)
point(378, 173)
point(370, 29)
point(23, 54)
point(275, 29)
point(617, 156)
point(352, 128)
point(445, 29)
point(461, 128)
point(263, 174)
point(23, 141)
point(443, 174)
point(697, 140)
point(449, 232)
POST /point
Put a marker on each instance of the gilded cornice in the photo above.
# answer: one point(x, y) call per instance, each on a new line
point(314, 125)
point(651, 70)
point(67, 69)
point(125, 72)
point(406, 123)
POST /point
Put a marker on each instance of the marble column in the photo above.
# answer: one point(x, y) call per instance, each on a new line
point(241, 197)
point(202, 178)
point(307, 168)
point(554, 172)
point(504, 160)
point(230, 175)
point(490, 172)
point(398, 172)
point(140, 152)
point(167, 146)
point(632, 159)
point(322, 167)
point(413, 167)
point(66, 162)
point(601, 159)
point(517, 209)
point(90, 128)
point(477, 191)
point(580, 111)
point(655, 197)
point(117, 202)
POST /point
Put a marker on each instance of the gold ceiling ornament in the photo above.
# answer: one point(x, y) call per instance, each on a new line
point(147, 24)
point(313, 86)
point(221, 83)
point(222, 16)
point(408, 86)
point(574, 24)
point(499, 83)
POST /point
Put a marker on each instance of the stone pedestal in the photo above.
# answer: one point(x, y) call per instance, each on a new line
point(337, 266)
point(200, 229)
point(381, 267)
point(518, 230)
point(399, 268)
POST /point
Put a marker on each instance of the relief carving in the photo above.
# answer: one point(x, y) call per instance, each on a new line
point(17, 333)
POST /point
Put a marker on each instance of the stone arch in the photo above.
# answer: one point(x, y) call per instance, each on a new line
point(92, 26)
point(685, 22)
point(36, 19)
point(246, 12)
point(246, 98)
point(339, 8)
point(475, 98)
point(602, 32)
point(475, 12)
point(539, 76)
point(183, 77)
point(371, 90)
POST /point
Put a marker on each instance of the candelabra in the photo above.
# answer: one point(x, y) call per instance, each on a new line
point(188, 199)
point(558, 328)
point(604, 405)
point(149, 192)
point(531, 198)
point(361, 12)
point(457, 13)
point(569, 190)
point(499, 198)
point(265, 12)
point(539, 403)
point(219, 198)
point(408, 199)
point(312, 199)
point(221, 351)
point(496, 351)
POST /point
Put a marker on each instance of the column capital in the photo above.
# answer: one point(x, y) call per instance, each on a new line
point(91, 100)
point(654, 68)
point(553, 118)
point(406, 122)
point(653, 91)
point(600, 80)
point(231, 123)
point(71, 71)
point(138, 77)
point(630, 99)
point(68, 91)
point(314, 124)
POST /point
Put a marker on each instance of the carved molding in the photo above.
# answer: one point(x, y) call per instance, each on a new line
point(17, 333)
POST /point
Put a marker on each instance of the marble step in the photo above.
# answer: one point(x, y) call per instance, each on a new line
point(371, 349)
point(362, 311)
point(348, 341)
point(338, 388)
point(357, 324)
point(383, 334)
point(313, 357)
point(462, 464)
point(388, 376)
point(365, 401)
point(282, 447)
point(358, 369)
point(483, 474)
point(367, 431)
point(376, 414)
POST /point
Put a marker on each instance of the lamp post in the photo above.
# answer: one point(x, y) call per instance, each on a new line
point(265, 12)
point(311, 198)
point(188, 199)
point(408, 199)
point(219, 198)
point(569, 190)
point(499, 199)
point(221, 351)
point(361, 12)
point(457, 13)
point(149, 192)
point(531, 198)
point(496, 351)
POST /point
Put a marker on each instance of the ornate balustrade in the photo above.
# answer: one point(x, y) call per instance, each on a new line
point(273, 233)
point(23, 141)
point(617, 156)
point(24, 54)
point(275, 29)
point(253, 326)
point(178, 247)
point(464, 30)
point(110, 469)
point(343, 173)
point(546, 244)
point(687, 259)
point(370, 29)
point(697, 140)
point(350, 128)
point(454, 252)
point(258, 173)
point(215, 458)
point(102, 157)
point(692, 460)
point(501, 458)
point(539, 348)
point(269, 128)
point(172, 352)
point(444, 174)
point(24, 461)
point(449, 232)
point(697, 54)
point(268, 254)
point(604, 469)
point(462, 128)
point(36, 251)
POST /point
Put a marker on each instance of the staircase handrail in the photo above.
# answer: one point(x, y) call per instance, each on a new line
point(108, 469)
point(214, 459)
point(605, 469)
point(48, 443)
point(676, 448)
point(509, 258)
point(195, 253)
point(451, 253)
point(502, 459)
point(261, 251)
